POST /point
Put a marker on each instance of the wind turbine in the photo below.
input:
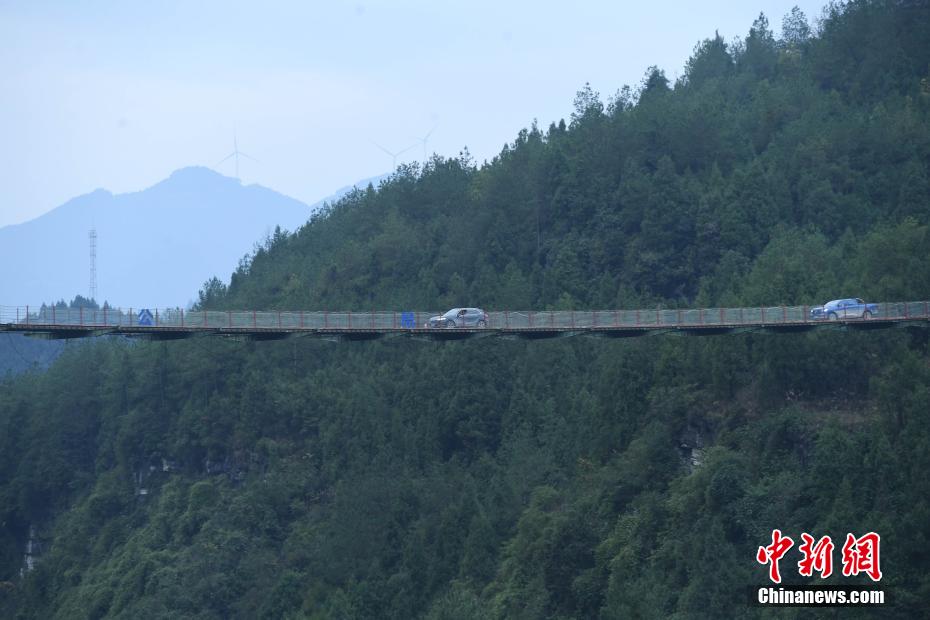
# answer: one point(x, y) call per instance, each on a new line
point(393, 154)
point(236, 153)
point(424, 139)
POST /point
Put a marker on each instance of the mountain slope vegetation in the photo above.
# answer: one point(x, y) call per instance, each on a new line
point(574, 478)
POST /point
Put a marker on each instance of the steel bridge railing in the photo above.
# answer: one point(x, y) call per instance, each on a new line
point(562, 320)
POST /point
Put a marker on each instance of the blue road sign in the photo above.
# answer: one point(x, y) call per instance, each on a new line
point(145, 317)
point(408, 320)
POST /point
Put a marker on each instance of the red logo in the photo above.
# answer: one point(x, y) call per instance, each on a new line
point(817, 557)
point(860, 555)
point(773, 553)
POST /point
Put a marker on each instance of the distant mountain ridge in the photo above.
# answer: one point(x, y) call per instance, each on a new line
point(343, 191)
point(154, 247)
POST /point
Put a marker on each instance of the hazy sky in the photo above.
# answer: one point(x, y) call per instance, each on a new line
point(118, 95)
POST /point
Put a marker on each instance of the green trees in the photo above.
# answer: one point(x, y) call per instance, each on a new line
point(712, 61)
point(573, 478)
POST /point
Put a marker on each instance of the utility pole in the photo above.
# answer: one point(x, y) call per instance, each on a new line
point(92, 236)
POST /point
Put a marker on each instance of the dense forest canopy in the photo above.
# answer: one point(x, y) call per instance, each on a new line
point(577, 478)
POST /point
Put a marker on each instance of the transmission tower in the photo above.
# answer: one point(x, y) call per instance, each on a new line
point(92, 236)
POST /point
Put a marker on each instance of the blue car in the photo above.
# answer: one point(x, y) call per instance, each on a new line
point(844, 309)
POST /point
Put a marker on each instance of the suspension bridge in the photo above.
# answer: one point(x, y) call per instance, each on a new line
point(174, 323)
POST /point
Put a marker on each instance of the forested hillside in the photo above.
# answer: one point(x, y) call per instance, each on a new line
point(574, 478)
point(20, 353)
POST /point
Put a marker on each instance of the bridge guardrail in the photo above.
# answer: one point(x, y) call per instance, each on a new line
point(385, 320)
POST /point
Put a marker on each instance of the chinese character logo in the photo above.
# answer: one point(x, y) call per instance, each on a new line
point(773, 553)
point(860, 555)
point(817, 557)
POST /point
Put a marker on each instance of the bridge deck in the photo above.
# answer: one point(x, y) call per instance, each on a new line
point(165, 324)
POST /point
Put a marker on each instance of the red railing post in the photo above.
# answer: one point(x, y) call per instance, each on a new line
point(530, 316)
point(616, 318)
point(701, 316)
point(573, 319)
point(679, 316)
point(721, 316)
point(507, 319)
point(763, 314)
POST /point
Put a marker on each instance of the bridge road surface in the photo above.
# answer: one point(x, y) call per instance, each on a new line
point(174, 323)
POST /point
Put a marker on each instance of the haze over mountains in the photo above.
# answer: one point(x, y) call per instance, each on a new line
point(155, 247)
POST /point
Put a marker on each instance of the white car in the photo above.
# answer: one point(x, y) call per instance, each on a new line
point(460, 317)
point(844, 309)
